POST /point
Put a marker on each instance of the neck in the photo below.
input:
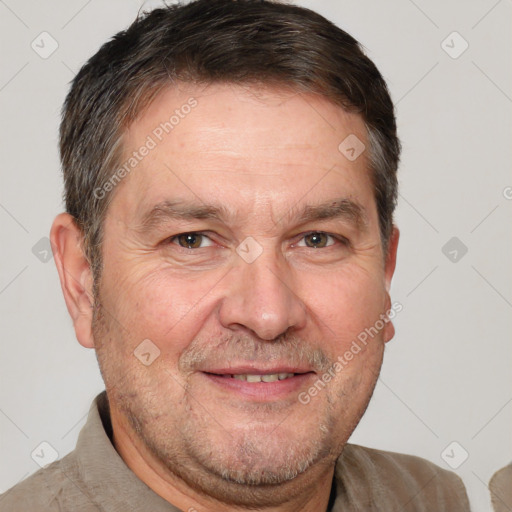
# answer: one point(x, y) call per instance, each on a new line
point(187, 487)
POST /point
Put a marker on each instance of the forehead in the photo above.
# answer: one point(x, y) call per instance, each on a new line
point(246, 146)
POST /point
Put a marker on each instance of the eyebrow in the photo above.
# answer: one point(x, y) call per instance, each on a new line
point(180, 210)
point(342, 209)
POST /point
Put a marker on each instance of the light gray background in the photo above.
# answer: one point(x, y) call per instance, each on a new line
point(446, 375)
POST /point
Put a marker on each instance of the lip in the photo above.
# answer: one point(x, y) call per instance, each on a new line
point(256, 370)
point(259, 391)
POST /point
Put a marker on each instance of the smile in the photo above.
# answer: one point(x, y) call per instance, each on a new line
point(260, 386)
point(259, 378)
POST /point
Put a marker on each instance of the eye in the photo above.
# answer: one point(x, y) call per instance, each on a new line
point(316, 240)
point(191, 240)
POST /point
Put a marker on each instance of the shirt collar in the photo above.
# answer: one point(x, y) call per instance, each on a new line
point(103, 471)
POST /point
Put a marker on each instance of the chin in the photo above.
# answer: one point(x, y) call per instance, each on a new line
point(261, 455)
point(261, 467)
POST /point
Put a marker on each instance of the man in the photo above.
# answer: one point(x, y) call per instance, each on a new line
point(228, 248)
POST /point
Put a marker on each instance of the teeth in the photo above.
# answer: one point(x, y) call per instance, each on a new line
point(263, 378)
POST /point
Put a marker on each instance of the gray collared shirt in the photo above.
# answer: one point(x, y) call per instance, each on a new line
point(93, 478)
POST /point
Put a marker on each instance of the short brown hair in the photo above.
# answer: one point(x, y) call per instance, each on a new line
point(211, 41)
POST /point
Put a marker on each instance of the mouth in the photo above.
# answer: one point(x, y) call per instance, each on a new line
point(254, 377)
point(260, 384)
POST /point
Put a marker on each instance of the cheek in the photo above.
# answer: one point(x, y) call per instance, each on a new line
point(161, 305)
point(347, 302)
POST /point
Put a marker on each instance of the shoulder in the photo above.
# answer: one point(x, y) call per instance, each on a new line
point(33, 493)
point(501, 489)
point(407, 482)
point(47, 490)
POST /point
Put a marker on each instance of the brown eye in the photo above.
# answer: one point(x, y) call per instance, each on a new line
point(190, 240)
point(317, 240)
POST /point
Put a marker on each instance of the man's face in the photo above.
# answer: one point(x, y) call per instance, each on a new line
point(244, 244)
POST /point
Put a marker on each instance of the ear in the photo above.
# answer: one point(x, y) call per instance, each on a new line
point(389, 270)
point(390, 264)
point(75, 275)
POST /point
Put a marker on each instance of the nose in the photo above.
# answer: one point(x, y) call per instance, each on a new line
point(260, 299)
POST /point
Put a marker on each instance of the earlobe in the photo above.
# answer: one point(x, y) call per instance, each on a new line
point(389, 328)
point(75, 275)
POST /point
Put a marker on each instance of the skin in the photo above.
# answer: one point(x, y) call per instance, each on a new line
point(263, 155)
